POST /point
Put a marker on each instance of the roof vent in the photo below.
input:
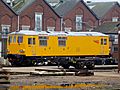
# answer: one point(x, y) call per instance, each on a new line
point(61, 1)
point(89, 1)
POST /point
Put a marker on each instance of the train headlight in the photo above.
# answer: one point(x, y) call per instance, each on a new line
point(22, 51)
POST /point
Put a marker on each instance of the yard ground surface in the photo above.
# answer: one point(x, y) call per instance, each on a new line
point(101, 80)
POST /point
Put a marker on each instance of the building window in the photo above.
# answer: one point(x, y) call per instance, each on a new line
point(5, 29)
point(43, 40)
point(38, 21)
point(114, 19)
point(115, 39)
point(51, 29)
point(79, 22)
point(62, 41)
point(67, 29)
point(25, 27)
point(115, 49)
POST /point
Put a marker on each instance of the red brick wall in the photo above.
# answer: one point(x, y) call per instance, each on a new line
point(113, 12)
point(7, 17)
point(80, 9)
point(27, 17)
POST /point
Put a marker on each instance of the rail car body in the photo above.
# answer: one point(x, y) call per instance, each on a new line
point(64, 48)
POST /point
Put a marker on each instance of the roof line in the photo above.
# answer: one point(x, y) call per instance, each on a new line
point(45, 3)
point(51, 8)
point(9, 7)
point(90, 10)
point(116, 3)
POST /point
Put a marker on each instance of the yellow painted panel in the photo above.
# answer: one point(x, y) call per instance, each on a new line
point(75, 46)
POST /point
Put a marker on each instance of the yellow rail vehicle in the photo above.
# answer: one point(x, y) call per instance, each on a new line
point(64, 48)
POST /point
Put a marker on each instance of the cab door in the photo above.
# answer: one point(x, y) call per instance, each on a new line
point(103, 44)
point(31, 46)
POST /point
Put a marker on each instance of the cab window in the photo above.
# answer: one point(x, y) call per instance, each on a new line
point(14, 39)
point(20, 39)
point(31, 41)
point(62, 41)
point(10, 39)
point(103, 41)
point(43, 40)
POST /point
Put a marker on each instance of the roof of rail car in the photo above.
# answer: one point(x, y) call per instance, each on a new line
point(28, 32)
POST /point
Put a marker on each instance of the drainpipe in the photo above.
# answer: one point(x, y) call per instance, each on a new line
point(118, 51)
point(61, 23)
point(18, 23)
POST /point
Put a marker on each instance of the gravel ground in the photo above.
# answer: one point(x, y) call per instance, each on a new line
point(110, 82)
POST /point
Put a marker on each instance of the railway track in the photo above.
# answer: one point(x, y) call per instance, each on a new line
point(56, 71)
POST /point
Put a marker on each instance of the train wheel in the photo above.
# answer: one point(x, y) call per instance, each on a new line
point(79, 65)
point(13, 64)
point(91, 65)
point(66, 66)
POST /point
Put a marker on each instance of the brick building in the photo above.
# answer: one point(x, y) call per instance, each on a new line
point(106, 11)
point(37, 15)
point(8, 23)
point(66, 15)
point(76, 16)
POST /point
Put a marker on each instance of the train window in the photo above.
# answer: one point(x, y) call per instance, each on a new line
point(20, 39)
point(105, 41)
point(14, 39)
point(29, 40)
point(10, 39)
point(43, 41)
point(102, 41)
point(33, 41)
point(62, 41)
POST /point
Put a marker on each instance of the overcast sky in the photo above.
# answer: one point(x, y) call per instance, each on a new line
point(102, 0)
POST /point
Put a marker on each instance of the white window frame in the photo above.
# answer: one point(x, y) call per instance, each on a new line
point(5, 29)
point(50, 29)
point(79, 22)
point(67, 29)
point(115, 39)
point(25, 27)
point(38, 23)
point(115, 19)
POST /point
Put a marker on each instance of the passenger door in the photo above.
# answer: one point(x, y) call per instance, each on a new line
point(31, 45)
